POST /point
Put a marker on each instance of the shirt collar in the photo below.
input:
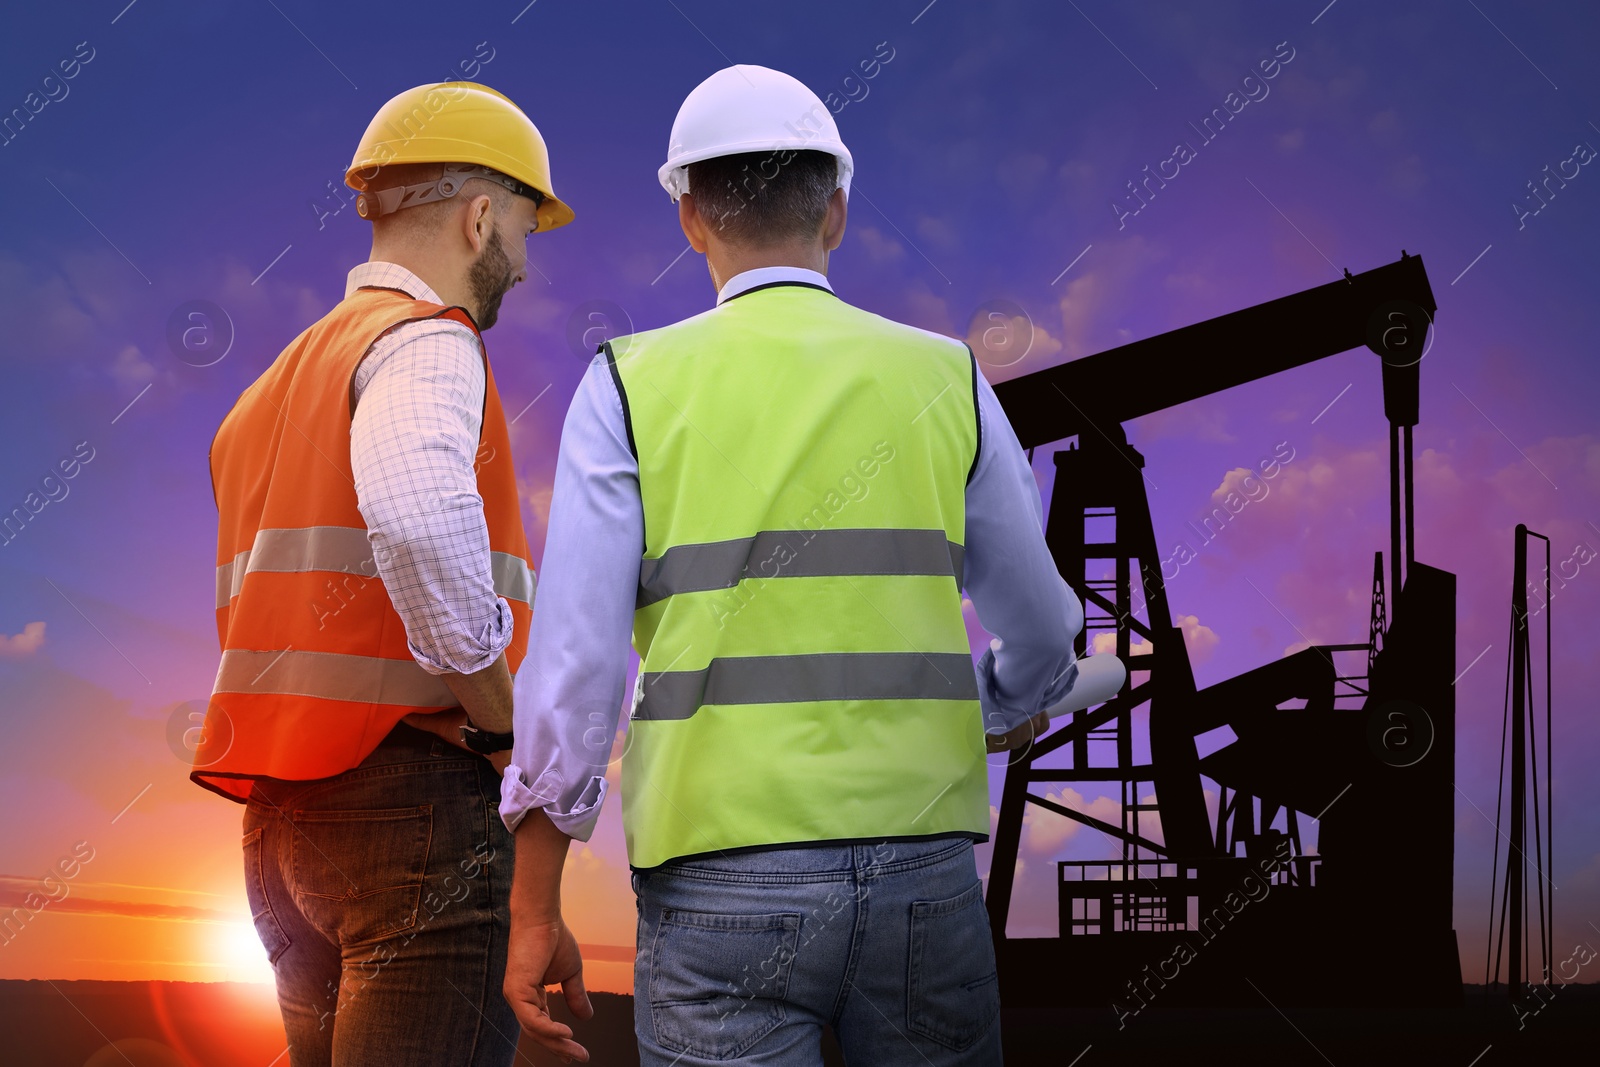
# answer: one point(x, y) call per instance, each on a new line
point(389, 276)
point(749, 279)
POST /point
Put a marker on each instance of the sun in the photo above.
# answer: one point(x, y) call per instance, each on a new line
point(239, 954)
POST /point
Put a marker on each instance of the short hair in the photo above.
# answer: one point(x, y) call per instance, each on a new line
point(425, 219)
point(759, 199)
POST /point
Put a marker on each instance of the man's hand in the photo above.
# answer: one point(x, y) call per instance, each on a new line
point(543, 951)
point(487, 696)
point(1019, 737)
point(447, 725)
point(541, 954)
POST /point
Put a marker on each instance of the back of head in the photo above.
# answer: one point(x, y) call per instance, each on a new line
point(759, 199)
point(421, 222)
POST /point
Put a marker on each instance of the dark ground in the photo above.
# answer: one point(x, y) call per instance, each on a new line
point(110, 1024)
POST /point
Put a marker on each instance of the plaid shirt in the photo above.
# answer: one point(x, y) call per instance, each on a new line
point(419, 408)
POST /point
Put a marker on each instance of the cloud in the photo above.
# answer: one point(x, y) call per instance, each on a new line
point(24, 644)
point(1406, 176)
point(995, 339)
point(65, 305)
point(1150, 821)
point(1105, 641)
point(1314, 497)
point(536, 493)
point(938, 232)
point(1327, 511)
point(1241, 482)
point(607, 953)
point(600, 899)
point(19, 892)
point(1092, 299)
point(1386, 127)
point(1044, 832)
point(925, 310)
point(879, 249)
point(1097, 289)
point(1200, 638)
point(131, 369)
point(1020, 173)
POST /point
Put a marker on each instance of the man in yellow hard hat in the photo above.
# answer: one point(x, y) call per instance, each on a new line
point(781, 499)
point(374, 589)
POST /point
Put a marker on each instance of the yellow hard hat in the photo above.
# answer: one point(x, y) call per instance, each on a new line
point(459, 122)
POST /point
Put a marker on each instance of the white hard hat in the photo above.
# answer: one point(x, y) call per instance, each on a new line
point(747, 108)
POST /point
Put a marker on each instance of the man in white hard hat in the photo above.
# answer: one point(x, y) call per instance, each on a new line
point(782, 499)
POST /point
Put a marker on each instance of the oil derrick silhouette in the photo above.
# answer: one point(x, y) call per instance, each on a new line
point(1358, 737)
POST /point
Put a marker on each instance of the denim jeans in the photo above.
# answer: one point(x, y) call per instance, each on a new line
point(382, 898)
point(743, 956)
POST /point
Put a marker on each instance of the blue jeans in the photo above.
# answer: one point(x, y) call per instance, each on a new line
point(382, 897)
point(743, 956)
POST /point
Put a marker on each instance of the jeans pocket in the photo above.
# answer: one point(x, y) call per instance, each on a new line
point(273, 939)
point(953, 991)
point(358, 874)
point(717, 981)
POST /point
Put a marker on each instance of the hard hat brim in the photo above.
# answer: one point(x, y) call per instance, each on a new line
point(669, 172)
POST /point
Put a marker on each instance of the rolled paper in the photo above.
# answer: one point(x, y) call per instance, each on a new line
point(1099, 679)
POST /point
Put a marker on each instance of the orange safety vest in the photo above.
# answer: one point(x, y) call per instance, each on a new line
point(315, 667)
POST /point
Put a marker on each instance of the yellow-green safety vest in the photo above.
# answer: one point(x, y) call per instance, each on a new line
point(805, 671)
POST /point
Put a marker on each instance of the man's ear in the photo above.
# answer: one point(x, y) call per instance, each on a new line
point(477, 222)
point(694, 227)
point(833, 222)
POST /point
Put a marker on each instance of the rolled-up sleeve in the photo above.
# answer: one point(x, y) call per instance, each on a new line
point(569, 690)
point(1016, 590)
point(414, 438)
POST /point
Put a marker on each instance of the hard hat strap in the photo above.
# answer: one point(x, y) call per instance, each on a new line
point(375, 202)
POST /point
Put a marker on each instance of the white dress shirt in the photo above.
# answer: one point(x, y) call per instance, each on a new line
point(419, 397)
point(567, 706)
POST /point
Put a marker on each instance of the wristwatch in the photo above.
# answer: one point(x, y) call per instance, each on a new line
point(482, 741)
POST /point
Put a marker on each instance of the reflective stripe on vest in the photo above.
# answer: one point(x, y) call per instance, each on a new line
point(330, 676)
point(805, 669)
point(796, 554)
point(343, 550)
point(818, 676)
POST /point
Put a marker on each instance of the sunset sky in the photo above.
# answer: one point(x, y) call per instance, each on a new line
point(190, 156)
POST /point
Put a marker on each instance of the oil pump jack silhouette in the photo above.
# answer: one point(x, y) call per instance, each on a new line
point(1358, 737)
